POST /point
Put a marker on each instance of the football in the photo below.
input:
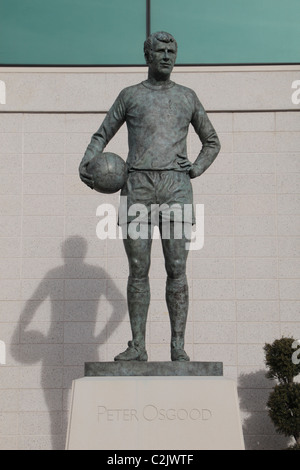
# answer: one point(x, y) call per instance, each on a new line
point(109, 172)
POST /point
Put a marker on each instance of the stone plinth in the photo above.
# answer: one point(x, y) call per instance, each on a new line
point(137, 368)
point(176, 411)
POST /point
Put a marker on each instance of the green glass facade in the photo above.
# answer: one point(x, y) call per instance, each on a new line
point(111, 32)
point(231, 31)
point(72, 32)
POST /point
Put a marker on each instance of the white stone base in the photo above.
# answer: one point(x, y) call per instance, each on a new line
point(154, 413)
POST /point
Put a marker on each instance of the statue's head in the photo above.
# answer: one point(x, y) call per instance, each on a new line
point(160, 50)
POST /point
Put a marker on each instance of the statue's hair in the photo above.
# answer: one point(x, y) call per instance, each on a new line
point(161, 36)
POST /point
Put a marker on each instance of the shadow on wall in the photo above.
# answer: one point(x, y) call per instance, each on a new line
point(48, 348)
point(259, 432)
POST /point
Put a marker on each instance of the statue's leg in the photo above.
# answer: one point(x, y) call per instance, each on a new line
point(177, 293)
point(138, 297)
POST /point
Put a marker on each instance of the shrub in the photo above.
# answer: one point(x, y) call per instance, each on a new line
point(279, 360)
point(284, 401)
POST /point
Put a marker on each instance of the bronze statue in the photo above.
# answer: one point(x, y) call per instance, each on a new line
point(158, 113)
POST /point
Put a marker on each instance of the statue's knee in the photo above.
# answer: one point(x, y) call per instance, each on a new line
point(139, 268)
point(176, 268)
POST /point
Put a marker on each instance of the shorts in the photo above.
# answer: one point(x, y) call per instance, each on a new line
point(156, 196)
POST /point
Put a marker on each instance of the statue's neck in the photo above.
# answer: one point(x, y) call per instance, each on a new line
point(159, 80)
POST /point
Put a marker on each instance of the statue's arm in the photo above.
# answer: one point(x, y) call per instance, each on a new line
point(210, 142)
point(114, 119)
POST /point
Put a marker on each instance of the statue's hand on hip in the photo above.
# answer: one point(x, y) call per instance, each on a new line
point(191, 169)
point(184, 162)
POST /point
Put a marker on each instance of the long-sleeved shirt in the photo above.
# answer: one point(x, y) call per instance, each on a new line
point(158, 119)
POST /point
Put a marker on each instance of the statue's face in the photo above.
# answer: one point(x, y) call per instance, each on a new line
point(163, 57)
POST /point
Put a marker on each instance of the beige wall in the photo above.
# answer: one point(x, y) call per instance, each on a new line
point(244, 283)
